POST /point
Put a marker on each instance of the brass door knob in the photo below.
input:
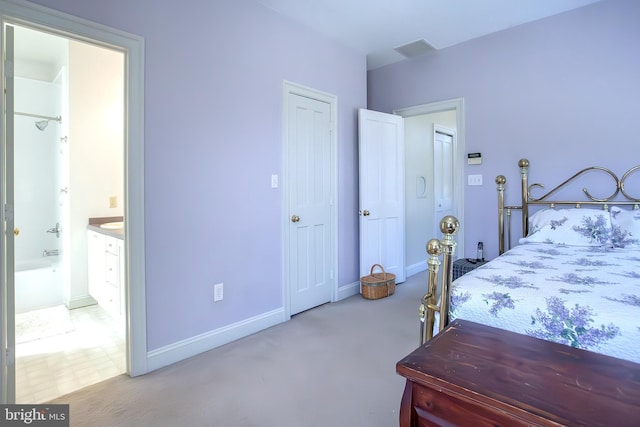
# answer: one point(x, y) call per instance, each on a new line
point(16, 231)
point(366, 213)
point(295, 218)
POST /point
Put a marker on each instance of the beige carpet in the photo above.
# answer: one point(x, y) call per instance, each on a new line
point(330, 366)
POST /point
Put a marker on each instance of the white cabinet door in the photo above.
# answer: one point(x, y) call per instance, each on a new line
point(96, 264)
point(106, 272)
point(381, 144)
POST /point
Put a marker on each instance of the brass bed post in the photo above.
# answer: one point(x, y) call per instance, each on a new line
point(524, 176)
point(430, 299)
point(500, 181)
point(449, 225)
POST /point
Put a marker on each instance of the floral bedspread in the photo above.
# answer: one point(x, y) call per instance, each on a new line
point(585, 297)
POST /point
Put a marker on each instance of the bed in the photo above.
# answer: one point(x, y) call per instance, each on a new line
point(574, 279)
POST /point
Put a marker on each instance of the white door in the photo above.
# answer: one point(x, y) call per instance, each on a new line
point(443, 143)
point(381, 158)
point(7, 320)
point(310, 195)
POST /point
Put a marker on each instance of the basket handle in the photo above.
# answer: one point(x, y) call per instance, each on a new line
point(381, 268)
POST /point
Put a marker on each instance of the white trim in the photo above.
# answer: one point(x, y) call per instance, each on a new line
point(296, 89)
point(53, 21)
point(456, 104)
point(416, 268)
point(349, 290)
point(190, 347)
point(78, 302)
point(7, 282)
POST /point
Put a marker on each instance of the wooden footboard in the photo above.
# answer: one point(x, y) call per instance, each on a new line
point(475, 375)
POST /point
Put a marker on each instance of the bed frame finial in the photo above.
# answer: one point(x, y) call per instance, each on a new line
point(449, 225)
point(429, 304)
point(434, 248)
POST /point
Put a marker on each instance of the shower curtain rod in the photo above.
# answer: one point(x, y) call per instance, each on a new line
point(38, 116)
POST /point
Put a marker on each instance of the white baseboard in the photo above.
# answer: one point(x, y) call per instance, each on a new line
point(190, 347)
point(416, 268)
point(349, 290)
point(77, 302)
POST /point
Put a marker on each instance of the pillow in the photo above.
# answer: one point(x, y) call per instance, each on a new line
point(571, 227)
point(625, 228)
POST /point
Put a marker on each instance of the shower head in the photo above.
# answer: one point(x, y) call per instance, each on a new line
point(42, 124)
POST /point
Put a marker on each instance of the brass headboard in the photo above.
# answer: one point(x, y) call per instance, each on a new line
point(432, 304)
point(504, 212)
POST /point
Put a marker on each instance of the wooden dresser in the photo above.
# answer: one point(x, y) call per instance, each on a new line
point(475, 375)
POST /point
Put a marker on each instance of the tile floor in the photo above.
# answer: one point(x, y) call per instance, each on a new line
point(50, 367)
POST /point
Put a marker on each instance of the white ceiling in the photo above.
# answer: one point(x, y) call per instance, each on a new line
point(375, 27)
point(38, 46)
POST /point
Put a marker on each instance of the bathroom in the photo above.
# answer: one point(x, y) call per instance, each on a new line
point(68, 167)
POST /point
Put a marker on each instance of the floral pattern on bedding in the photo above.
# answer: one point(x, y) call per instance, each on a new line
point(570, 227)
point(571, 326)
point(584, 297)
point(625, 228)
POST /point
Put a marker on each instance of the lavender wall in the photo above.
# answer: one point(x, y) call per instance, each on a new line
point(562, 92)
point(213, 102)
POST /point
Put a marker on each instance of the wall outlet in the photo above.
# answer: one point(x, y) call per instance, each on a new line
point(218, 290)
point(113, 201)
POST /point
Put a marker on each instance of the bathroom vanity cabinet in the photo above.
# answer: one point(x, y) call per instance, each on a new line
point(106, 272)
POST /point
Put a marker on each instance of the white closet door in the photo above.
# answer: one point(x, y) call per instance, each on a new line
point(310, 202)
point(382, 239)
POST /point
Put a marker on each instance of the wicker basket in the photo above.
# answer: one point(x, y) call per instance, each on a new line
point(378, 285)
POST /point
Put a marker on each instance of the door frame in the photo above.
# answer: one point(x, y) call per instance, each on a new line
point(456, 105)
point(49, 20)
point(290, 88)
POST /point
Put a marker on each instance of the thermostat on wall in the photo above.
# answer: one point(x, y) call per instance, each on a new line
point(474, 158)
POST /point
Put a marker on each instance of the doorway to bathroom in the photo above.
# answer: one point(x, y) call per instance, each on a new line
point(131, 46)
point(68, 166)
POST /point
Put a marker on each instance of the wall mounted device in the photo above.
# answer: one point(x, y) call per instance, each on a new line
point(474, 158)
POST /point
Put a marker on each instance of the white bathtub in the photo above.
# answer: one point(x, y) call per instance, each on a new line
point(38, 284)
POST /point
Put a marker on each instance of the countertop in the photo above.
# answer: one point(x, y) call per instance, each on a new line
point(94, 225)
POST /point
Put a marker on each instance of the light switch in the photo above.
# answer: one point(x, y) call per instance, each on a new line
point(113, 201)
point(274, 181)
point(474, 179)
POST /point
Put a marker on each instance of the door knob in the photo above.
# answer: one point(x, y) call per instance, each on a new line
point(295, 218)
point(16, 231)
point(366, 213)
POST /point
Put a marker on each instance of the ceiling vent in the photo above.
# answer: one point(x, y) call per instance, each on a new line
point(413, 49)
